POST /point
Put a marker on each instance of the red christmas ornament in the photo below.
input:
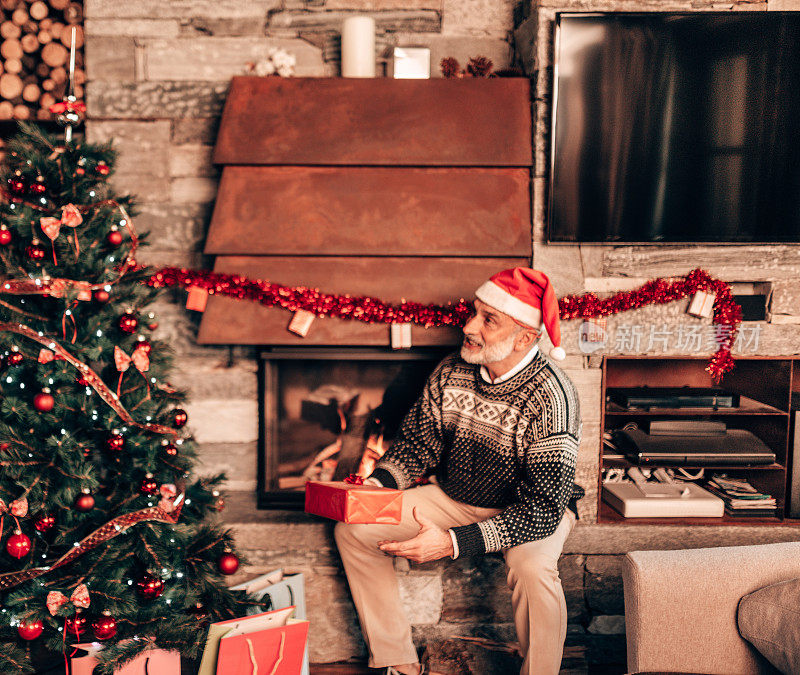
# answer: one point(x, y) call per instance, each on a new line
point(35, 251)
point(16, 185)
point(44, 522)
point(44, 401)
point(103, 168)
point(38, 188)
point(85, 501)
point(144, 345)
point(114, 237)
point(169, 448)
point(76, 625)
point(115, 441)
point(14, 357)
point(30, 630)
point(80, 171)
point(149, 485)
point(128, 323)
point(101, 295)
point(105, 627)
point(179, 418)
point(5, 236)
point(150, 587)
point(228, 563)
point(18, 545)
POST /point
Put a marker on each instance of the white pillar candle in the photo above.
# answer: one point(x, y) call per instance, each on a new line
point(358, 47)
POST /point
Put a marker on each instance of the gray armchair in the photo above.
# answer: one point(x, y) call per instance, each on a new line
point(681, 606)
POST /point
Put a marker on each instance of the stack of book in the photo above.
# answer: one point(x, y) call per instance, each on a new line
point(741, 499)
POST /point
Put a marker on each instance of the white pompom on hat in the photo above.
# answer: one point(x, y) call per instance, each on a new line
point(527, 296)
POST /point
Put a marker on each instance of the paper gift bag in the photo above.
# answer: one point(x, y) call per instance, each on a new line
point(354, 503)
point(293, 641)
point(151, 662)
point(278, 590)
point(277, 651)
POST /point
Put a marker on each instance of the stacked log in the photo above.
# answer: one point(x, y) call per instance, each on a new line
point(35, 39)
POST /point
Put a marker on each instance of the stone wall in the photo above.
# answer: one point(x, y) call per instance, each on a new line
point(158, 74)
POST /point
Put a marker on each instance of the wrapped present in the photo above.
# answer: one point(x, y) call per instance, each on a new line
point(159, 661)
point(354, 503)
point(271, 642)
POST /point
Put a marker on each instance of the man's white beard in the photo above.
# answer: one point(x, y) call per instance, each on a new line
point(491, 353)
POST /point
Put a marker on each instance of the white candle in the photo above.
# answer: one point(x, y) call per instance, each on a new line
point(358, 47)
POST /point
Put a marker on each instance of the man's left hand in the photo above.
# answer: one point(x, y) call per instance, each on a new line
point(431, 543)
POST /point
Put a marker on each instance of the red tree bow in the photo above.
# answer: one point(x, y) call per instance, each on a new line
point(140, 360)
point(354, 479)
point(67, 106)
point(79, 598)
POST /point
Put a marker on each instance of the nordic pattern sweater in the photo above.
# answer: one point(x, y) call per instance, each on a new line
point(510, 445)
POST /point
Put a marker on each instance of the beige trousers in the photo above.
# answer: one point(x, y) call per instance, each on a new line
point(540, 610)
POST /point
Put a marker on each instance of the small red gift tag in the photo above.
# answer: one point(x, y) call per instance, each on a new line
point(301, 322)
point(197, 299)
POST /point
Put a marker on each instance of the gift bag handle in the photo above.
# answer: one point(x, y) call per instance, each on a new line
point(268, 605)
point(277, 663)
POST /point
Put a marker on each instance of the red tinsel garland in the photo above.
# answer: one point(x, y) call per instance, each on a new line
point(371, 310)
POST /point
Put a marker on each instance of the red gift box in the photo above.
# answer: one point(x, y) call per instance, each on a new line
point(354, 503)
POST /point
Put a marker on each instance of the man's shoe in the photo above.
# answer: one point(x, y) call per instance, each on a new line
point(393, 671)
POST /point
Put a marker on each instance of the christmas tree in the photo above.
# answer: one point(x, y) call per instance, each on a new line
point(105, 535)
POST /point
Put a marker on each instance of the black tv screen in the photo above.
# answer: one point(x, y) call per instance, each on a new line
point(676, 128)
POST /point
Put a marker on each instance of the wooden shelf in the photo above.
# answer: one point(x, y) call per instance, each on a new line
point(624, 464)
point(747, 406)
point(764, 386)
point(607, 515)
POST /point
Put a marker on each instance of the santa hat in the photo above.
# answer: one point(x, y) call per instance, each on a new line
point(527, 296)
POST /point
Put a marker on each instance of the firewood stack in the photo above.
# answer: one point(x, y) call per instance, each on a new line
point(35, 38)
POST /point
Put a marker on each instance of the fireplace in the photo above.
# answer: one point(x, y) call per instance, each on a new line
point(328, 412)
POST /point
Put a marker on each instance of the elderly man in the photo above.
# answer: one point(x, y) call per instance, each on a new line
point(498, 428)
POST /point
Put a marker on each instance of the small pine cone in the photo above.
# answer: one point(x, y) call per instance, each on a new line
point(450, 67)
point(480, 66)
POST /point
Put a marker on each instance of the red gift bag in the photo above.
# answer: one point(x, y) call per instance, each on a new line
point(354, 503)
point(274, 651)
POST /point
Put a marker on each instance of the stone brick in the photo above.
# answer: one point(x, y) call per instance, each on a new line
point(194, 189)
point(417, 21)
point(241, 27)
point(570, 569)
point(207, 378)
point(143, 146)
point(220, 58)
point(224, 420)
point(236, 460)
point(421, 595)
point(147, 100)
point(607, 624)
point(336, 635)
point(117, 28)
point(478, 17)
point(201, 131)
point(180, 227)
point(157, 258)
point(604, 584)
point(157, 9)
point(476, 587)
point(383, 5)
point(783, 5)
point(110, 58)
point(465, 657)
point(461, 48)
point(785, 298)
point(143, 186)
point(192, 160)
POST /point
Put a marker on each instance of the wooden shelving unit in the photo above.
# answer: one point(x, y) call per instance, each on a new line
point(765, 386)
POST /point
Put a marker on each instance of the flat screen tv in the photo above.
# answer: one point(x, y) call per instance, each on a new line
point(675, 128)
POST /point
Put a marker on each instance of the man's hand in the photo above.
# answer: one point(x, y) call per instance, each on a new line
point(431, 543)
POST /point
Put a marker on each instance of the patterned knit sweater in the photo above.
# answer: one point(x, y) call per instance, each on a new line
point(510, 445)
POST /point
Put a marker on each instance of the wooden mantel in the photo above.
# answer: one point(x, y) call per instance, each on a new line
point(415, 189)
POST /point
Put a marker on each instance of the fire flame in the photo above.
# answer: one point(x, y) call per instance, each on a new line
point(373, 452)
